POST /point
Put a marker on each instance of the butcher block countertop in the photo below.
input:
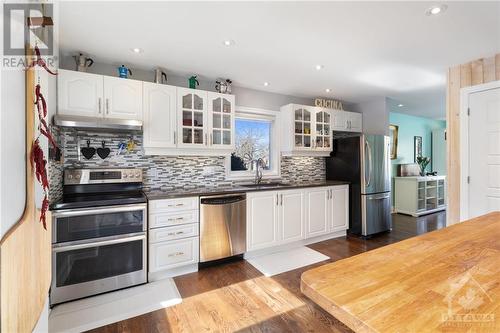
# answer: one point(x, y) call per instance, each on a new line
point(443, 281)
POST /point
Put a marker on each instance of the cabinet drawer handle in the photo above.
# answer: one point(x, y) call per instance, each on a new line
point(176, 205)
point(175, 254)
point(175, 233)
point(179, 219)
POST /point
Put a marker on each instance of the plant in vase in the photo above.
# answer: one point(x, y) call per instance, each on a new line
point(423, 162)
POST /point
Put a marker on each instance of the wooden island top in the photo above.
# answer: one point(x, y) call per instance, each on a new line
point(443, 281)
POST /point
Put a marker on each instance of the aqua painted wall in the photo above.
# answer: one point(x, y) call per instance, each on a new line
point(410, 126)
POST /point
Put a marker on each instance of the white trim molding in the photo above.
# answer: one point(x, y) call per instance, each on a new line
point(266, 115)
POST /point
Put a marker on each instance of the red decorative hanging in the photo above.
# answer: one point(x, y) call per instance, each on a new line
point(37, 158)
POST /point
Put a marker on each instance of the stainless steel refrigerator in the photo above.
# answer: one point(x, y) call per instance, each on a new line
point(364, 161)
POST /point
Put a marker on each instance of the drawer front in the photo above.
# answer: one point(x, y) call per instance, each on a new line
point(173, 205)
point(171, 233)
point(172, 254)
point(165, 220)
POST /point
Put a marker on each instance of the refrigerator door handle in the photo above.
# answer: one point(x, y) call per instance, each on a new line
point(369, 150)
point(385, 196)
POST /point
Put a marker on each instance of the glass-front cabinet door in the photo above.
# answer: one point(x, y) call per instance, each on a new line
point(323, 134)
point(221, 115)
point(192, 117)
point(303, 128)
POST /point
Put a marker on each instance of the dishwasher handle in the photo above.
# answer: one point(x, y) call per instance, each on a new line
point(222, 200)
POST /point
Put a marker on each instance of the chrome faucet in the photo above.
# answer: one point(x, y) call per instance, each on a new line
point(258, 171)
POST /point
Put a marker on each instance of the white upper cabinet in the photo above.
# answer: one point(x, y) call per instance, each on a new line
point(303, 117)
point(221, 121)
point(91, 95)
point(347, 121)
point(122, 98)
point(306, 130)
point(355, 122)
point(323, 131)
point(192, 118)
point(159, 121)
point(79, 94)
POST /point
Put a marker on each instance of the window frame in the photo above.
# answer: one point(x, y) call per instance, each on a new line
point(275, 154)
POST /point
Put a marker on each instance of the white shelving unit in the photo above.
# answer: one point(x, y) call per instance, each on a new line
point(419, 195)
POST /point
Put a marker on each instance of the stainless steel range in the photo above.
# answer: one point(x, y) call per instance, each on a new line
point(99, 228)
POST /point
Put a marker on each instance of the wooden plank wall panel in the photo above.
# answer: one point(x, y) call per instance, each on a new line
point(470, 74)
point(25, 251)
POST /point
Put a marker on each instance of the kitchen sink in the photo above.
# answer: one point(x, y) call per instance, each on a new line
point(265, 185)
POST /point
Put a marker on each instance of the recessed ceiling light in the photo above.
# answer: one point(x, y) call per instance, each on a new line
point(229, 42)
point(266, 84)
point(436, 10)
point(400, 105)
point(136, 50)
point(328, 90)
point(319, 67)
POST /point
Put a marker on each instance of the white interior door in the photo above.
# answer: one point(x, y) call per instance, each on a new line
point(484, 152)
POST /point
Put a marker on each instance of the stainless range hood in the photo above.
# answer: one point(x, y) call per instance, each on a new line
point(95, 123)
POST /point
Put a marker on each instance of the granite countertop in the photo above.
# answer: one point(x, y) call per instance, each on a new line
point(237, 188)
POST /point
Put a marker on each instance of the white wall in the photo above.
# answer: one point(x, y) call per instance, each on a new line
point(375, 115)
point(12, 142)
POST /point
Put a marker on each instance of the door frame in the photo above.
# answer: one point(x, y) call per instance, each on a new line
point(464, 142)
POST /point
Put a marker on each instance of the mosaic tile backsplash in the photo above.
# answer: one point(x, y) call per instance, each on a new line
point(165, 172)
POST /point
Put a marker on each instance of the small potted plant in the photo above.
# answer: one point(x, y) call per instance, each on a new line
point(422, 163)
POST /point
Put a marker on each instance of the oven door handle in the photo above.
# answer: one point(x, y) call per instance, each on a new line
point(115, 240)
point(101, 210)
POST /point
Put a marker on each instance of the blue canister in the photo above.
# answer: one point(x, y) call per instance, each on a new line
point(123, 72)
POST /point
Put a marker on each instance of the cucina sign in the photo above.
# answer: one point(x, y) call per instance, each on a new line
point(328, 103)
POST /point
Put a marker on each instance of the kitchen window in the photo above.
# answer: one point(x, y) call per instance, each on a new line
point(256, 136)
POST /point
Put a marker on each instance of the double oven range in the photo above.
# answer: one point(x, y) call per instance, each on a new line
point(99, 240)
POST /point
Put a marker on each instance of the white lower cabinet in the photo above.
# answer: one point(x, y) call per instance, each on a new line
point(172, 254)
point(280, 217)
point(291, 216)
point(174, 245)
point(318, 211)
point(339, 208)
point(262, 219)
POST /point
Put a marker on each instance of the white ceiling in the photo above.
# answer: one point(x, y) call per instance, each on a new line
point(368, 49)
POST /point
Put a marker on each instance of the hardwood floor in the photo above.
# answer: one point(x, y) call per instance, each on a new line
point(236, 297)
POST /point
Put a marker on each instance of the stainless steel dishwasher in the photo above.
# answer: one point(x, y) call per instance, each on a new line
point(222, 226)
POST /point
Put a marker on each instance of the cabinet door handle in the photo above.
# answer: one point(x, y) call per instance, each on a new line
point(175, 137)
point(277, 203)
point(281, 203)
point(206, 139)
point(211, 139)
point(107, 105)
point(99, 102)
